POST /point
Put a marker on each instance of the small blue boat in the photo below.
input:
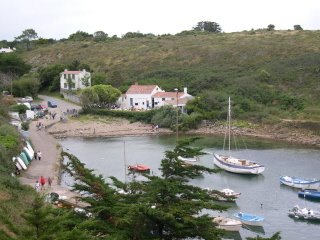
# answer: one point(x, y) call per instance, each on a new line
point(310, 195)
point(302, 183)
point(249, 219)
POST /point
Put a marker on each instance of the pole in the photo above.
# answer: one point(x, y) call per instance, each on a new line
point(177, 123)
point(125, 162)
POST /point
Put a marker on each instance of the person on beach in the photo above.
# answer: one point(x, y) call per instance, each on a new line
point(39, 155)
point(42, 182)
point(37, 186)
point(49, 182)
point(35, 155)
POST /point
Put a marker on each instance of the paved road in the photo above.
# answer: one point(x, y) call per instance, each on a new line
point(48, 166)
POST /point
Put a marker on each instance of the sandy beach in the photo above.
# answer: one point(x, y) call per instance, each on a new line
point(122, 127)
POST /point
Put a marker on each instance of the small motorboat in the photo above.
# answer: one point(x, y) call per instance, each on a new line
point(225, 195)
point(139, 168)
point(302, 183)
point(310, 195)
point(227, 224)
point(304, 214)
point(230, 193)
point(195, 159)
point(249, 219)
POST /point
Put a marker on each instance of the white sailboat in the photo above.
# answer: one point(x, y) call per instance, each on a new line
point(233, 164)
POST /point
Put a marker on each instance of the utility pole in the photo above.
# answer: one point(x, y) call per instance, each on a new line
point(177, 123)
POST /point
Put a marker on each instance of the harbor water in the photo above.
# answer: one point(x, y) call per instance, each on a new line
point(260, 194)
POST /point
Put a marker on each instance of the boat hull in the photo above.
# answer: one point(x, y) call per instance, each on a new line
point(228, 224)
point(300, 183)
point(236, 168)
point(249, 219)
point(310, 195)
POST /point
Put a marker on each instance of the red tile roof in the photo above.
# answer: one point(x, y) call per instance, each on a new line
point(71, 72)
point(167, 94)
point(141, 89)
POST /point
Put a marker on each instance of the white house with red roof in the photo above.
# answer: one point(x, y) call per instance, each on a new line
point(143, 97)
point(79, 79)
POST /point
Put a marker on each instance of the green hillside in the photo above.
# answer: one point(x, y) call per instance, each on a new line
point(272, 71)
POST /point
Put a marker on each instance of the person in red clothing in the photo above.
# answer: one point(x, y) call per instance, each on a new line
point(42, 182)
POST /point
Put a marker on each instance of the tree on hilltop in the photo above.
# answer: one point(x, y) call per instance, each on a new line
point(206, 26)
point(297, 27)
point(271, 27)
point(27, 36)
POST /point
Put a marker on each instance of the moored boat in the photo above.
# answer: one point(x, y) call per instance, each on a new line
point(233, 164)
point(227, 224)
point(28, 153)
point(195, 159)
point(24, 158)
point(301, 183)
point(21, 163)
point(139, 168)
point(230, 193)
point(304, 214)
point(250, 219)
point(310, 195)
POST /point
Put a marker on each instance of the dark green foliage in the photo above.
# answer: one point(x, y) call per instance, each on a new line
point(11, 63)
point(20, 108)
point(297, 27)
point(27, 36)
point(275, 236)
point(270, 27)
point(27, 85)
point(80, 36)
point(25, 126)
point(208, 27)
point(98, 78)
point(50, 77)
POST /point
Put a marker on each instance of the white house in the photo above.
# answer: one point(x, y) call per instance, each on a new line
point(140, 97)
point(144, 97)
point(78, 79)
point(7, 50)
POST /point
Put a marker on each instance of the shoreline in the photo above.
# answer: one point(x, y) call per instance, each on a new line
point(122, 127)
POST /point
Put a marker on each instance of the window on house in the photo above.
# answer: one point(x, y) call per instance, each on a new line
point(163, 99)
point(65, 85)
point(142, 103)
point(65, 76)
point(136, 104)
point(73, 76)
point(156, 103)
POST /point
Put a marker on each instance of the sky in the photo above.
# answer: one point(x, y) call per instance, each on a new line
point(59, 18)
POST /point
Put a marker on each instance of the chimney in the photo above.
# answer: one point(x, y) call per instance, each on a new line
point(66, 70)
point(185, 90)
point(83, 70)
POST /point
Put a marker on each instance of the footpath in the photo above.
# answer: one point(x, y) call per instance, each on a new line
point(49, 165)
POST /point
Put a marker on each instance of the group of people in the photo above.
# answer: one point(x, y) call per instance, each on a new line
point(40, 184)
point(52, 115)
point(37, 155)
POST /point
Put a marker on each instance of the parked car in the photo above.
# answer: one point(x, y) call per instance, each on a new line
point(28, 99)
point(52, 104)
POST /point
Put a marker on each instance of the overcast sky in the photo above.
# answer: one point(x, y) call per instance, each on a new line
point(59, 18)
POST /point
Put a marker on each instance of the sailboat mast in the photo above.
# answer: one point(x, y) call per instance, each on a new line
point(229, 121)
point(125, 161)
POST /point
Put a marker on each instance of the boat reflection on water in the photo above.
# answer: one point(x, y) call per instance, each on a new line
point(232, 235)
point(255, 229)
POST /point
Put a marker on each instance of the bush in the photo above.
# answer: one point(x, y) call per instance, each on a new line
point(20, 108)
point(25, 126)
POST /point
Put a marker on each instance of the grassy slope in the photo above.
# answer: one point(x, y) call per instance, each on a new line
point(223, 62)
